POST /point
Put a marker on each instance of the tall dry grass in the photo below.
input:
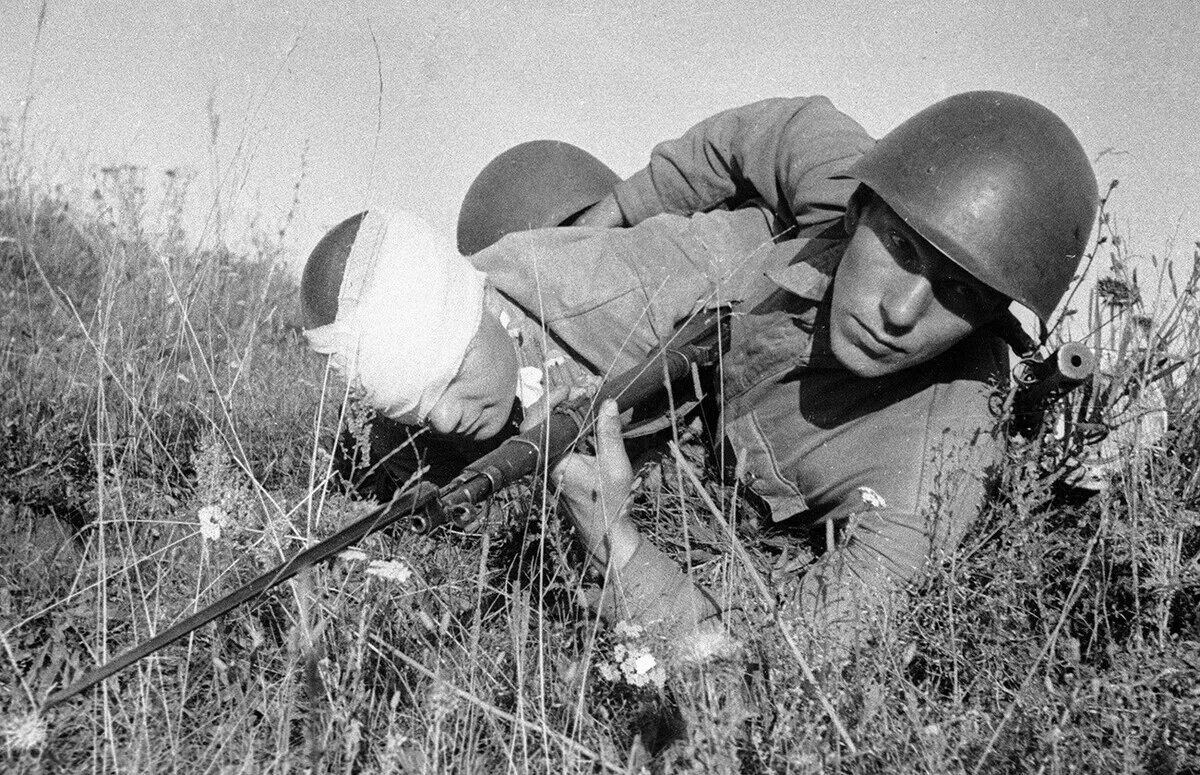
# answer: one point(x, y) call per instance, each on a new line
point(166, 436)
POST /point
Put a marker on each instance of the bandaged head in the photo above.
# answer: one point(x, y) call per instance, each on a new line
point(408, 307)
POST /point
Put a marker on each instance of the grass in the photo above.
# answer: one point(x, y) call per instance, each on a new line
point(153, 393)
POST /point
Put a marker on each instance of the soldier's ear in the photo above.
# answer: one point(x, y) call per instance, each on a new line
point(860, 200)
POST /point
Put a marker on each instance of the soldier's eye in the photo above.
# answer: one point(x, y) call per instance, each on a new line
point(962, 297)
point(904, 250)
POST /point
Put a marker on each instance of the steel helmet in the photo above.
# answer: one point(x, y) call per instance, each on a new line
point(322, 278)
point(999, 184)
point(533, 185)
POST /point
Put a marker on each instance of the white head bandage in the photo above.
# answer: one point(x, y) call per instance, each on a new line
point(408, 307)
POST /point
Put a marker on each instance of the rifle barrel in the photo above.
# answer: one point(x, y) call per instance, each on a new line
point(1045, 381)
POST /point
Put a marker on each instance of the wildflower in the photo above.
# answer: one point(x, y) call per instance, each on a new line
point(708, 646)
point(644, 663)
point(221, 488)
point(872, 498)
point(506, 322)
point(390, 570)
point(529, 385)
point(352, 554)
point(23, 733)
point(609, 672)
point(212, 519)
point(640, 668)
point(632, 663)
point(628, 630)
point(1118, 292)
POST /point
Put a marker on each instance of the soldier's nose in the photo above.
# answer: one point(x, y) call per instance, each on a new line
point(906, 302)
point(439, 418)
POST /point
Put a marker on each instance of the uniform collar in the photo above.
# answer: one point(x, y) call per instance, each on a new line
point(805, 267)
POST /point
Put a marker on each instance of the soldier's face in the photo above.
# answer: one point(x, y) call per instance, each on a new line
point(898, 301)
point(479, 399)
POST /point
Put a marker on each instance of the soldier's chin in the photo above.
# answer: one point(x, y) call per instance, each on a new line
point(496, 423)
point(485, 432)
point(860, 361)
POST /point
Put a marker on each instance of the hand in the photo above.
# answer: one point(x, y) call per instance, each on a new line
point(605, 214)
point(597, 491)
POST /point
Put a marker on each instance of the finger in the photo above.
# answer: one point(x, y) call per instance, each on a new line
point(583, 391)
point(610, 447)
point(573, 471)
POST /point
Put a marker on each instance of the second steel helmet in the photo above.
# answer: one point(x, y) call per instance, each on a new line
point(999, 184)
point(533, 185)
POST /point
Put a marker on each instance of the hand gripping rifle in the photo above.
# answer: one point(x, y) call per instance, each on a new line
point(697, 343)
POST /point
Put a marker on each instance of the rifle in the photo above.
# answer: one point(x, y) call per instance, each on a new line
point(1042, 382)
point(696, 344)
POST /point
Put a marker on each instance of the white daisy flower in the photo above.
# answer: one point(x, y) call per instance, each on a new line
point(644, 663)
point(640, 668)
point(212, 519)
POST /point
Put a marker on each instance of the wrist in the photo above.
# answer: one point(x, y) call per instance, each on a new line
point(636, 198)
point(622, 541)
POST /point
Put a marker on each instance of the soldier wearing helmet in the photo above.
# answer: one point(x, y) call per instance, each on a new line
point(857, 393)
point(440, 363)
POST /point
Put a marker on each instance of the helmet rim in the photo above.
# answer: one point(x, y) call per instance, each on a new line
point(536, 184)
point(996, 182)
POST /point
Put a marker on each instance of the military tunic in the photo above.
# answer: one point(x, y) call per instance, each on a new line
point(901, 462)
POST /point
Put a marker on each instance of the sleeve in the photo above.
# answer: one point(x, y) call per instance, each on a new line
point(653, 591)
point(861, 580)
point(610, 295)
point(785, 152)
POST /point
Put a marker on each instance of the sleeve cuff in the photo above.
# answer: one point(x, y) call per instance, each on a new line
point(637, 198)
point(653, 591)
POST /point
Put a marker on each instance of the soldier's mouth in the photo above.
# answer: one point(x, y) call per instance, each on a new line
point(879, 345)
point(478, 425)
point(469, 428)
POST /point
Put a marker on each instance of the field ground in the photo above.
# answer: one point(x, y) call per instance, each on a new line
point(166, 436)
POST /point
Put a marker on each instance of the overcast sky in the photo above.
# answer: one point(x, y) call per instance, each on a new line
point(404, 102)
